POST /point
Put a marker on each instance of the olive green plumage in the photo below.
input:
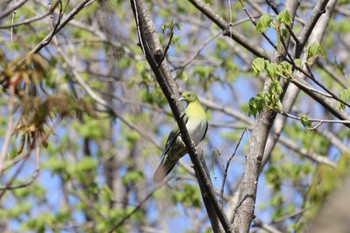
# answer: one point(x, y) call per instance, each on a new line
point(196, 122)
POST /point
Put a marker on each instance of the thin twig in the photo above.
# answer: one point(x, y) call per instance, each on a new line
point(10, 119)
point(313, 119)
point(223, 25)
point(35, 174)
point(9, 11)
point(168, 45)
point(189, 61)
point(275, 9)
point(138, 207)
point(321, 159)
point(334, 96)
point(318, 10)
point(58, 26)
point(227, 166)
point(254, 22)
point(30, 20)
point(307, 87)
point(264, 226)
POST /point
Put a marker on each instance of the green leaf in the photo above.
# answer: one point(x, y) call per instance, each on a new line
point(272, 70)
point(170, 26)
point(305, 121)
point(263, 23)
point(344, 95)
point(299, 63)
point(284, 32)
point(275, 87)
point(166, 26)
point(188, 196)
point(259, 65)
point(284, 17)
point(286, 68)
point(256, 104)
point(55, 164)
point(314, 49)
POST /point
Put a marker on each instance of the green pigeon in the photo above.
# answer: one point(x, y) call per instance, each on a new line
point(196, 122)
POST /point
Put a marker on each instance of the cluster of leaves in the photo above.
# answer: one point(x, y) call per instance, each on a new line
point(270, 98)
point(266, 20)
point(23, 81)
point(273, 71)
point(280, 24)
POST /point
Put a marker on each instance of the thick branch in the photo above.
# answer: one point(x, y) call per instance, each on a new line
point(244, 212)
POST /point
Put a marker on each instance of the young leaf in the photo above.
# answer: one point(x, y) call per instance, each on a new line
point(344, 95)
point(305, 121)
point(314, 49)
point(275, 87)
point(259, 65)
point(284, 17)
point(286, 68)
point(166, 26)
point(256, 104)
point(272, 70)
point(263, 23)
point(299, 62)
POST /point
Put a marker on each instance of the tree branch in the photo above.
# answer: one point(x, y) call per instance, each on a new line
point(319, 9)
point(11, 10)
point(221, 23)
point(153, 52)
point(33, 19)
point(59, 25)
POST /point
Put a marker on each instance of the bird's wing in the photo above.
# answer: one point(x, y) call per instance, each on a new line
point(173, 135)
point(206, 129)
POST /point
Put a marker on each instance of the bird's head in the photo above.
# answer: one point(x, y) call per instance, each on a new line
point(188, 97)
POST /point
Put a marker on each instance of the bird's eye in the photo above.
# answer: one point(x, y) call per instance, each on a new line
point(188, 95)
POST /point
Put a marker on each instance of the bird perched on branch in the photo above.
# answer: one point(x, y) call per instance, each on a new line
point(196, 122)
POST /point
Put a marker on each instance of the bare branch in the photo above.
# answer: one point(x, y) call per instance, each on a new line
point(11, 10)
point(58, 26)
point(227, 166)
point(319, 9)
point(37, 143)
point(313, 156)
point(221, 23)
point(264, 226)
point(31, 20)
point(10, 125)
point(137, 207)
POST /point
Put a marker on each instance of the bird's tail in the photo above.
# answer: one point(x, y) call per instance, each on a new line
point(164, 168)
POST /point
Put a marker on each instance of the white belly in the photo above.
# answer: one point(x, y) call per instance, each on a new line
point(196, 128)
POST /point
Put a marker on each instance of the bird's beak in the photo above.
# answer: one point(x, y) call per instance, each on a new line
point(181, 99)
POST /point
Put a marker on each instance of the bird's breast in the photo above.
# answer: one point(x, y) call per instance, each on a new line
point(196, 128)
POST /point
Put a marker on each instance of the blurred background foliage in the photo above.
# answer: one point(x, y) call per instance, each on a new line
point(87, 120)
